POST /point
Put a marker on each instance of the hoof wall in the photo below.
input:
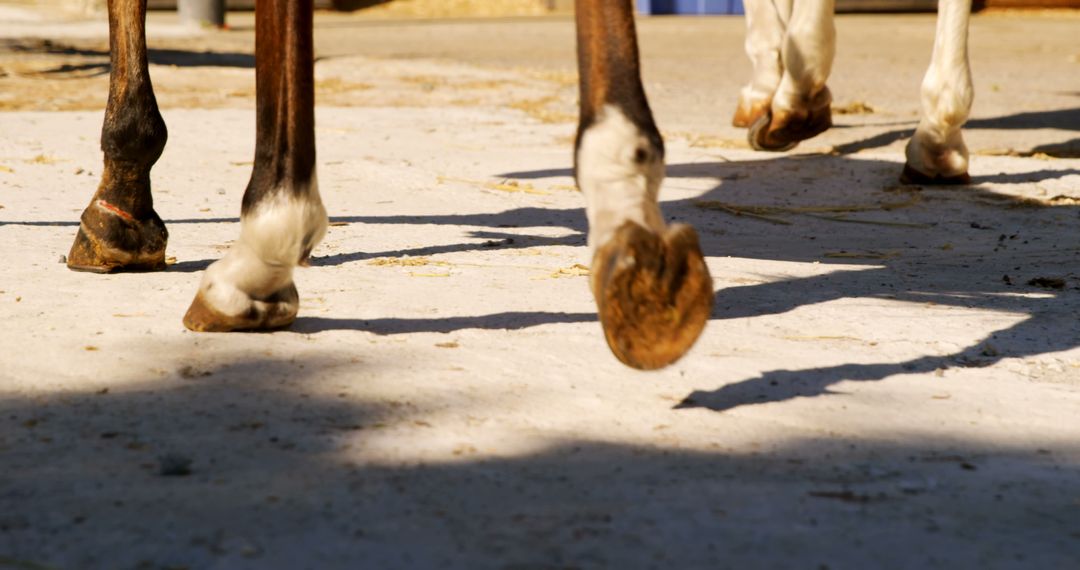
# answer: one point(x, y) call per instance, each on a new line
point(784, 132)
point(748, 115)
point(108, 242)
point(92, 256)
point(276, 312)
point(912, 176)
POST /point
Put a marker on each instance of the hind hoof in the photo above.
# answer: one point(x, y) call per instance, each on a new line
point(784, 131)
point(275, 312)
point(653, 294)
point(111, 240)
point(912, 176)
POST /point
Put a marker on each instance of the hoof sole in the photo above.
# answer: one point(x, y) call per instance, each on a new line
point(653, 294)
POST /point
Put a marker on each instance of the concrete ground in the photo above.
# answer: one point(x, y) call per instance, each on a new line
point(891, 378)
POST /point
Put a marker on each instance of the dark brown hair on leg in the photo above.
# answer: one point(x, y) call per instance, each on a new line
point(120, 230)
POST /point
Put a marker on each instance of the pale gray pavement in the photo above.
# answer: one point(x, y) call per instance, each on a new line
point(890, 393)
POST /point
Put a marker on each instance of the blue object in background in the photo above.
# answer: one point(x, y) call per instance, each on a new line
point(690, 6)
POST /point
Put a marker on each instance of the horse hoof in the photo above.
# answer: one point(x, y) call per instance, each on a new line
point(653, 294)
point(746, 115)
point(783, 131)
point(111, 240)
point(912, 176)
point(275, 312)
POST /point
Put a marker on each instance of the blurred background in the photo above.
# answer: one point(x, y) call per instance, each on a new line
point(503, 8)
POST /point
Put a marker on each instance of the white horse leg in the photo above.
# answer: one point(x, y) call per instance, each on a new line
point(937, 154)
point(652, 288)
point(282, 216)
point(800, 106)
point(765, 24)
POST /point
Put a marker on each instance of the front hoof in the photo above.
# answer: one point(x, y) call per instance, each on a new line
point(110, 239)
point(783, 131)
point(911, 175)
point(653, 294)
point(275, 312)
point(747, 114)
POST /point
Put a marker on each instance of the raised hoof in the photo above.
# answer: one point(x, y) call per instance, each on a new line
point(747, 115)
point(111, 240)
point(275, 312)
point(784, 131)
point(653, 294)
point(912, 176)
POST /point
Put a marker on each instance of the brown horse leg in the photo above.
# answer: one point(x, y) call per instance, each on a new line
point(282, 217)
point(120, 230)
point(652, 287)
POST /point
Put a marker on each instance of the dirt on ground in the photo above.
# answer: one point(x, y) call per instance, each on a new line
point(890, 379)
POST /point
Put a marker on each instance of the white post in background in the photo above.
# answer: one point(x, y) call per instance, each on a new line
point(202, 12)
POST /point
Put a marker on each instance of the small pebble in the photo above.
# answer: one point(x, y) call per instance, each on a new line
point(63, 259)
point(174, 465)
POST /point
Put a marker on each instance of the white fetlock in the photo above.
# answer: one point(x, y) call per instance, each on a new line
point(619, 170)
point(252, 286)
point(937, 154)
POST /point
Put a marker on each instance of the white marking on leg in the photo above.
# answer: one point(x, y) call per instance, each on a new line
point(807, 52)
point(937, 148)
point(620, 173)
point(765, 24)
point(275, 236)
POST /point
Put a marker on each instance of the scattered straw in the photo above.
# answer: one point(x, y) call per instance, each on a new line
point(709, 141)
point(575, 270)
point(563, 78)
point(538, 109)
point(1029, 202)
point(870, 222)
point(1063, 200)
point(406, 262)
point(831, 213)
point(853, 108)
point(1048, 152)
point(823, 337)
point(739, 211)
point(510, 186)
point(338, 85)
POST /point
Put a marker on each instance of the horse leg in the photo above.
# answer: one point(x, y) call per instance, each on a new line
point(936, 154)
point(652, 287)
point(800, 108)
point(282, 217)
point(120, 230)
point(765, 24)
